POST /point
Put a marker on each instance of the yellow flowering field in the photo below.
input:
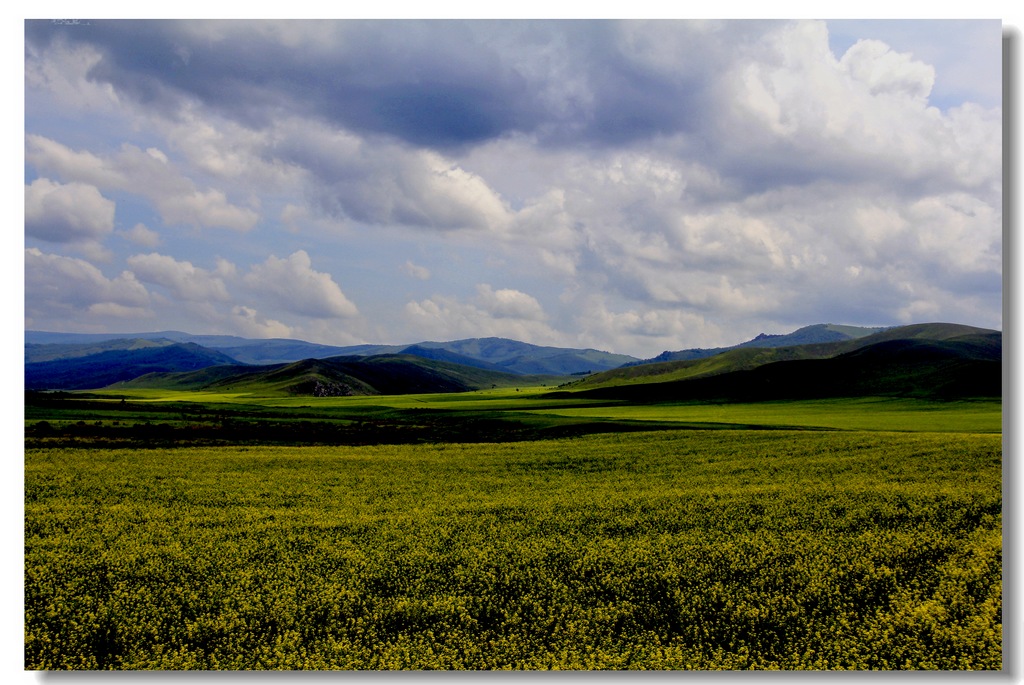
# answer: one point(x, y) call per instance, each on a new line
point(667, 550)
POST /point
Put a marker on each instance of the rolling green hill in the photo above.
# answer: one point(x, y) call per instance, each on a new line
point(924, 360)
point(724, 362)
point(744, 358)
point(389, 374)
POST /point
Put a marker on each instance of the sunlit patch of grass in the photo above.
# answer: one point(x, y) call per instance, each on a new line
point(885, 414)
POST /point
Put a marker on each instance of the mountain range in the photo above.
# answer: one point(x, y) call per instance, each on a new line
point(934, 360)
point(497, 354)
point(121, 360)
point(88, 361)
point(507, 355)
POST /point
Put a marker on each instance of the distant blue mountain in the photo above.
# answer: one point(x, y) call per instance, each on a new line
point(244, 350)
point(496, 354)
point(114, 365)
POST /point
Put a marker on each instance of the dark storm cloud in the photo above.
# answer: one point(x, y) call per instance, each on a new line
point(634, 103)
point(433, 83)
point(440, 94)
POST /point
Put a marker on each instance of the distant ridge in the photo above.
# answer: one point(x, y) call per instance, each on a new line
point(44, 352)
point(110, 366)
point(525, 358)
point(510, 356)
point(244, 350)
point(808, 335)
point(446, 355)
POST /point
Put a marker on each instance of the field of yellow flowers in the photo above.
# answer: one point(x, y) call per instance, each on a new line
point(670, 550)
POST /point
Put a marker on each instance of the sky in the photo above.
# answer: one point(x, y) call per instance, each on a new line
point(630, 186)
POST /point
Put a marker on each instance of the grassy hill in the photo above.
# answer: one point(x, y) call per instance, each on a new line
point(924, 360)
point(724, 362)
point(390, 374)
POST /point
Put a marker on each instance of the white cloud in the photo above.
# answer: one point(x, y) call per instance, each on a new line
point(225, 269)
point(209, 208)
point(67, 212)
point(157, 154)
point(967, 56)
point(58, 287)
point(789, 103)
point(299, 289)
point(86, 167)
point(548, 225)
point(119, 311)
point(506, 303)
point(228, 150)
point(142, 173)
point(184, 280)
point(140, 234)
point(375, 182)
point(957, 233)
point(884, 70)
point(63, 71)
point(646, 331)
point(448, 196)
point(972, 150)
point(503, 313)
point(247, 323)
point(293, 215)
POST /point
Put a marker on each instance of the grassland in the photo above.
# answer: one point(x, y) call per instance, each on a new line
point(515, 406)
point(864, 414)
point(163, 530)
point(677, 549)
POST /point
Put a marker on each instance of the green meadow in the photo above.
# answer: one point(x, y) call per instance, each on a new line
point(862, 414)
point(870, 413)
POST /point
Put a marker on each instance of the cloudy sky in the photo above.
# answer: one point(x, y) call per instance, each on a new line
point(629, 186)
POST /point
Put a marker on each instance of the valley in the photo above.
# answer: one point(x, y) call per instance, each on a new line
point(930, 376)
